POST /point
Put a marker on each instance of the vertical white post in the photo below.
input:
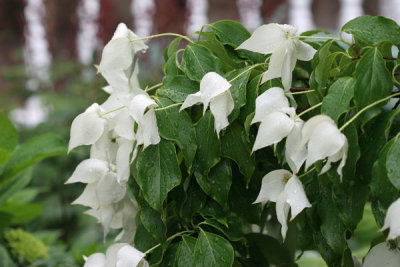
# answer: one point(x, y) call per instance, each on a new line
point(198, 10)
point(142, 12)
point(36, 52)
point(249, 13)
point(349, 9)
point(300, 15)
point(87, 41)
point(390, 9)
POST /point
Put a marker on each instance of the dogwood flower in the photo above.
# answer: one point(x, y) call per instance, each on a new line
point(214, 91)
point(392, 220)
point(284, 188)
point(295, 153)
point(272, 110)
point(324, 140)
point(118, 255)
point(382, 255)
point(286, 50)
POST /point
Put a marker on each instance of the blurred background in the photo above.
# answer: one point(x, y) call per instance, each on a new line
point(47, 52)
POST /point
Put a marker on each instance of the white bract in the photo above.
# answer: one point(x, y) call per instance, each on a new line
point(118, 255)
point(214, 91)
point(286, 50)
point(284, 188)
point(392, 220)
point(274, 113)
point(324, 140)
point(382, 255)
point(295, 153)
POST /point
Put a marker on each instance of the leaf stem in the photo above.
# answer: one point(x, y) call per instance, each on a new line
point(307, 110)
point(169, 239)
point(154, 87)
point(393, 75)
point(111, 111)
point(307, 172)
point(366, 108)
point(245, 71)
point(167, 107)
point(300, 92)
point(161, 35)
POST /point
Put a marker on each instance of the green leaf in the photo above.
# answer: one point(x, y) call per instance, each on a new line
point(171, 67)
point(212, 250)
point(382, 190)
point(218, 182)
point(233, 230)
point(158, 172)
point(22, 213)
point(195, 201)
point(172, 47)
point(15, 185)
point(143, 239)
point(8, 138)
point(5, 258)
point(185, 254)
point(372, 141)
point(373, 30)
point(238, 89)
point(31, 152)
point(337, 101)
point(171, 256)
point(151, 220)
point(372, 82)
point(198, 60)
point(271, 249)
point(208, 145)
point(178, 88)
point(5, 220)
point(251, 95)
point(325, 250)
point(392, 164)
point(177, 126)
point(235, 146)
point(230, 32)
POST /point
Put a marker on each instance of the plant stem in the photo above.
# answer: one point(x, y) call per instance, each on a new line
point(153, 87)
point(393, 75)
point(245, 71)
point(306, 173)
point(307, 110)
point(161, 35)
point(300, 92)
point(366, 108)
point(111, 111)
point(168, 239)
point(167, 107)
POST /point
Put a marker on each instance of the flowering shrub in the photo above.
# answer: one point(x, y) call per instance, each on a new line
point(297, 125)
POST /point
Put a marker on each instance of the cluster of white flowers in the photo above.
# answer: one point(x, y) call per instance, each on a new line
point(109, 129)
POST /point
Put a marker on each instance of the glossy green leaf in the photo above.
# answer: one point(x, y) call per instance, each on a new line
point(172, 47)
point(171, 67)
point(235, 146)
point(373, 29)
point(392, 164)
point(271, 249)
point(143, 239)
point(337, 101)
point(372, 82)
point(230, 32)
point(178, 88)
point(197, 61)
point(171, 256)
point(325, 250)
point(251, 95)
point(8, 138)
point(233, 230)
point(31, 152)
point(212, 250)
point(151, 220)
point(158, 172)
point(208, 145)
point(218, 182)
point(177, 126)
point(185, 254)
point(195, 199)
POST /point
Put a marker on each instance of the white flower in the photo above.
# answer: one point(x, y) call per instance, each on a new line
point(87, 127)
point(272, 109)
point(214, 91)
point(323, 139)
point(392, 220)
point(287, 191)
point(382, 255)
point(277, 39)
point(118, 255)
point(118, 56)
point(295, 153)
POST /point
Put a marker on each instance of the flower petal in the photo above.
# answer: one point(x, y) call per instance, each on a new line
point(89, 171)
point(272, 185)
point(109, 191)
point(296, 197)
point(95, 260)
point(310, 125)
point(273, 99)
point(295, 153)
point(282, 211)
point(112, 254)
point(289, 63)
point(276, 63)
point(88, 197)
point(392, 220)
point(116, 55)
point(304, 51)
point(265, 39)
point(125, 148)
point(104, 148)
point(128, 256)
point(211, 85)
point(124, 125)
point(138, 106)
point(86, 128)
point(273, 128)
point(382, 255)
point(191, 100)
point(149, 129)
point(221, 106)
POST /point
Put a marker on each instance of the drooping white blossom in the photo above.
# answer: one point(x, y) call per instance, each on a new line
point(286, 50)
point(214, 91)
point(117, 255)
point(295, 153)
point(284, 188)
point(392, 220)
point(382, 255)
point(275, 115)
point(324, 140)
